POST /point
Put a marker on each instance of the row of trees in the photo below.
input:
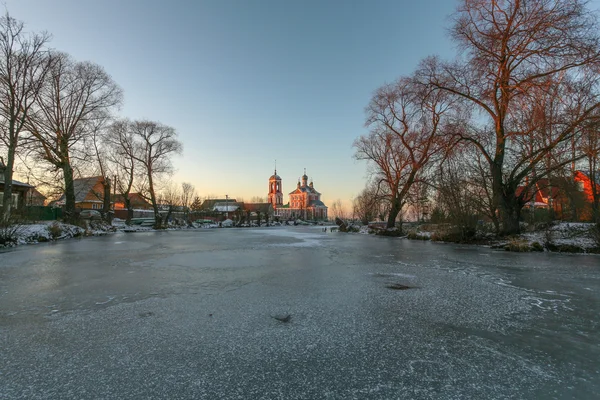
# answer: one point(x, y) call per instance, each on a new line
point(518, 105)
point(58, 115)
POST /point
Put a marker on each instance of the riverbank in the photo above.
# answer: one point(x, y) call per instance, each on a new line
point(565, 237)
point(50, 231)
point(47, 231)
point(562, 237)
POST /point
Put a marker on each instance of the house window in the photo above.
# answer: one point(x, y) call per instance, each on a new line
point(15, 199)
point(96, 206)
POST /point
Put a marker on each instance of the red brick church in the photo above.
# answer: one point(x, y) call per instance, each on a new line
point(304, 202)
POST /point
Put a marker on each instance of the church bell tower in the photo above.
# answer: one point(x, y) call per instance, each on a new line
point(275, 193)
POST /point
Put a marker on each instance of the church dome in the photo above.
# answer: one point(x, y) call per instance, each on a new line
point(275, 178)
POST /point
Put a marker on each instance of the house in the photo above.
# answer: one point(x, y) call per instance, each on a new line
point(89, 193)
point(137, 201)
point(227, 207)
point(584, 185)
point(209, 204)
point(35, 198)
point(218, 209)
point(546, 194)
point(568, 198)
point(265, 210)
point(20, 190)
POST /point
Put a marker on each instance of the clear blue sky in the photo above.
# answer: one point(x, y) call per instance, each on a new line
point(247, 82)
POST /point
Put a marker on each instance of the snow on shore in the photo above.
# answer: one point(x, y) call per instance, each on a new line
point(51, 230)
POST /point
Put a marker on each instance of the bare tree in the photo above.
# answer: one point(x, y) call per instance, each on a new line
point(337, 210)
point(459, 195)
point(257, 199)
point(517, 52)
point(99, 140)
point(408, 133)
point(171, 198)
point(188, 193)
point(590, 147)
point(23, 66)
point(366, 206)
point(74, 97)
point(157, 143)
point(418, 198)
point(121, 148)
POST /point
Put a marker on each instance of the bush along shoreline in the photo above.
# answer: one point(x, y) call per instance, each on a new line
point(564, 237)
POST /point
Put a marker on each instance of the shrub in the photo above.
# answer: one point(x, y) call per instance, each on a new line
point(416, 236)
point(9, 232)
point(535, 246)
point(394, 232)
point(455, 234)
point(55, 230)
point(517, 245)
point(437, 216)
point(570, 248)
point(549, 239)
point(538, 216)
point(595, 234)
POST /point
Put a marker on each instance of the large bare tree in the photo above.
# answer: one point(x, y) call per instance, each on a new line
point(23, 66)
point(121, 149)
point(157, 143)
point(409, 130)
point(74, 97)
point(516, 53)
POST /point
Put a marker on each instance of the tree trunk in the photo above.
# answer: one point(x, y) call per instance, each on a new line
point(506, 201)
point(106, 199)
point(395, 209)
point(169, 212)
point(8, 174)
point(594, 188)
point(157, 219)
point(69, 193)
point(510, 212)
point(127, 202)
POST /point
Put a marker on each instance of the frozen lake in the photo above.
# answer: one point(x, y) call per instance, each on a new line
point(189, 314)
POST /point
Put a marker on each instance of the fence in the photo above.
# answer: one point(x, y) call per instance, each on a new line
point(42, 213)
point(137, 213)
